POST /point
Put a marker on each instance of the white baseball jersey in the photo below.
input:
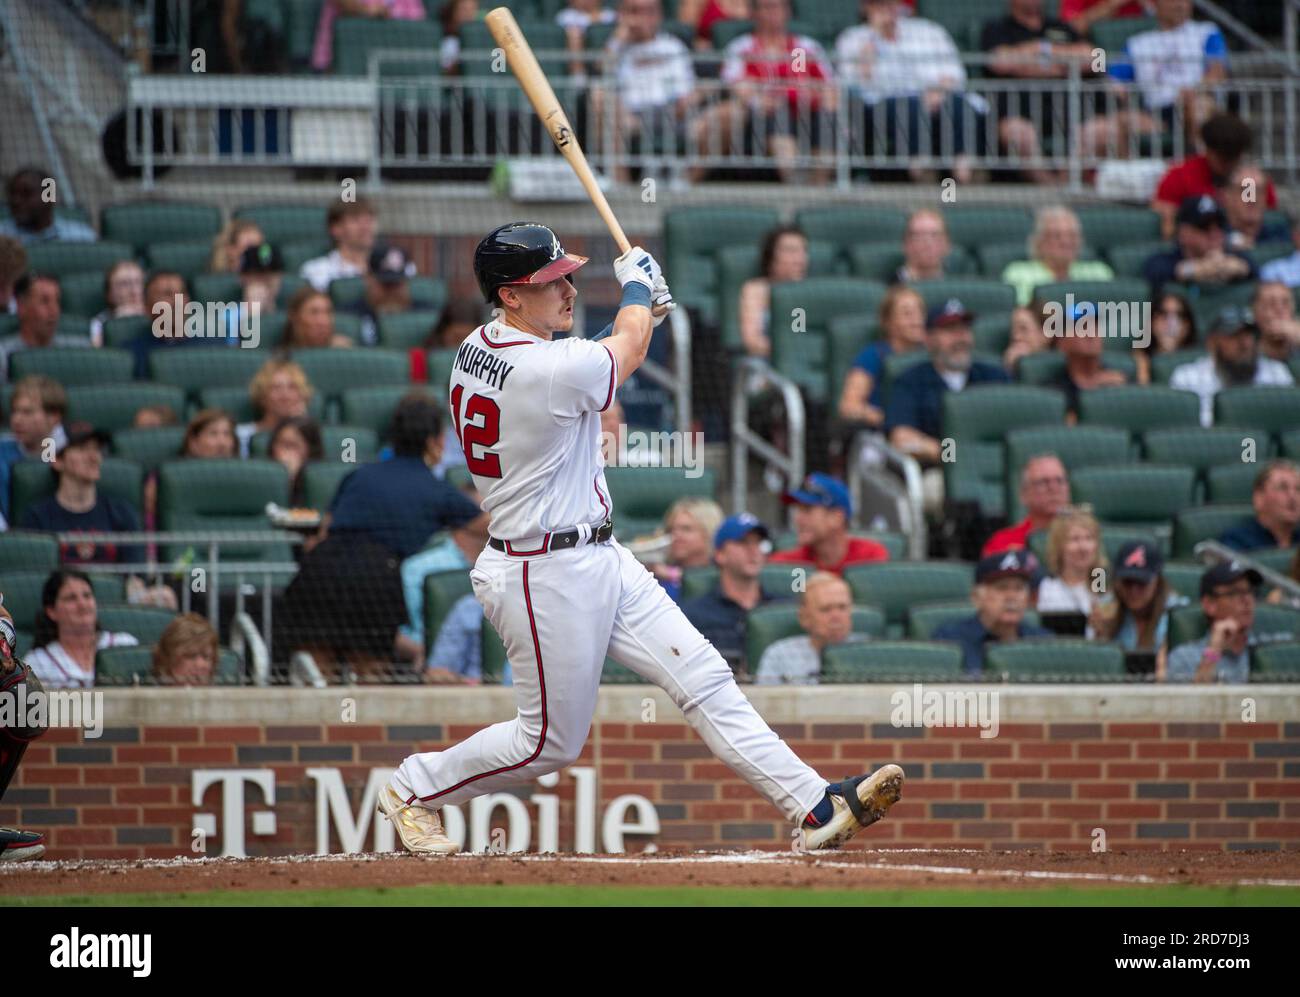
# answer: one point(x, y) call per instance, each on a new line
point(527, 412)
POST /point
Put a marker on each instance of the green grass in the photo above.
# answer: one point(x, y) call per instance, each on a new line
point(533, 895)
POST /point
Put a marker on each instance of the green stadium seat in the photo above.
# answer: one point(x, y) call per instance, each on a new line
point(880, 260)
point(223, 495)
point(24, 551)
point(145, 623)
point(1206, 304)
point(365, 443)
point(1055, 660)
point(1184, 577)
point(776, 580)
point(74, 325)
point(187, 257)
point(356, 37)
point(371, 407)
point(979, 295)
point(442, 590)
point(1274, 410)
point(1206, 448)
point(1277, 559)
point(1188, 623)
point(63, 258)
point(428, 293)
point(1116, 299)
point(1134, 493)
point(844, 225)
point(287, 223)
point(344, 325)
point(891, 661)
point(141, 224)
point(1039, 369)
point(1113, 34)
point(215, 287)
point(800, 311)
point(34, 481)
point(1127, 260)
point(120, 332)
point(997, 256)
point(776, 621)
point(1267, 252)
point(1113, 537)
point(979, 225)
point(333, 371)
point(198, 367)
point(118, 666)
point(737, 264)
point(1077, 446)
point(322, 480)
point(299, 251)
point(1290, 447)
point(112, 407)
point(691, 238)
point(301, 19)
point(1139, 408)
point(493, 653)
point(1163, 365)
point(73, 367)
point(82, 293)
point(149, 447)
point(1277, 660)
point(895, 586)
point(405, 330)
point(1231, 483)
point(347, 292)
point(1205, 523)
point(643, 494)
point(992, 332)
point(1108, 226)
point(237, 404)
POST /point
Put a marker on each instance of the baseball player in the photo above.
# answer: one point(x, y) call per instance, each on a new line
point(560, 590)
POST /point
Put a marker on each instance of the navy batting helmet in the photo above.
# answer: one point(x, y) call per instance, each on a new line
point(521, 253)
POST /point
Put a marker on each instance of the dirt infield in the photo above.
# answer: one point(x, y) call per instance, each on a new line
point(856, 870)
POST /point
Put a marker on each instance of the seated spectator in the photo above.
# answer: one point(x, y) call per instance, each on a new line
point(124, 295)
point(822, 510)
point(1001, 598)
point(454, 15)
point(1223, 654)
point(826, 615)
point(1173, 328)
point(704, 14)
point(13, 264)
point(459, 317)
point(914, 414)
point(653, 85)
point(67, 635)
point(1138, 617)
point(261, 274)
point(457, 655)
point(310, 321)
point(16, 678)
point(36, 410)
point(575, 18)
point(1027, 44)
point(39, 311)
point(322, 55)
point(352, 229)
point(280, 390)
point(187, 652)
point(1243, 206)
point(1076, 568)
point(783, 257)
point(210, 435)
point(295, 443)
point(382, 513)
point(1200, 256)
point(1276, 499)
point(1173, 68)
point(1285, 270)
point(782, 96)
point(739, 550)
point(902, 319)
point(166, 299)
point(911, 79)
point(1044, 492)
point(1081, 15)
point(1234, 362)
point(925, 247)
point(1027, 334)
point(1226, 140)
point(1054, 249)
point(388, 289)
point(230, 244)
point(690, 524)
point(1082, 344)
point(1279, 331)
point(32, 218)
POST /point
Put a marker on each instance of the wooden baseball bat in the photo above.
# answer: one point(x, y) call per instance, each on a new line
point(522, 62)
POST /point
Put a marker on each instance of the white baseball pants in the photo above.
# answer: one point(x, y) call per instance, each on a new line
point(558, 615)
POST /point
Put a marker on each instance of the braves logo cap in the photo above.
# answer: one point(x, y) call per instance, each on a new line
point(1138, 561)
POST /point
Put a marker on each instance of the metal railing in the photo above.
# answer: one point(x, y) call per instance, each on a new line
point(383, 121)
point(1211, 551)
point(752, 375)
point(875, 471)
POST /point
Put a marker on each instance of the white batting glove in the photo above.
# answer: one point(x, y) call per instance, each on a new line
point(637, 265)
point(661, 300)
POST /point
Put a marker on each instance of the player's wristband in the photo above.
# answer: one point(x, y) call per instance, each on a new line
point(635, 293)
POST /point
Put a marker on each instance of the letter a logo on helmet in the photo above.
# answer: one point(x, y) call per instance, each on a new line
point(521, 253)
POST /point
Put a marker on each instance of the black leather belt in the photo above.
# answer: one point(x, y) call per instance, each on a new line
point(556, 541)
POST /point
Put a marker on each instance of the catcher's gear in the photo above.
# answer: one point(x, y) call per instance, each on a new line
point(521, 253)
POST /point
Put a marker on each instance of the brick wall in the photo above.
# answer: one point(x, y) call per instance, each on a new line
point(1150, 784)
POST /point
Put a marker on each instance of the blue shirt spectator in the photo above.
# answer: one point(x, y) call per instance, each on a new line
point(458, 649)
point(1001, 597)
point(974, 638)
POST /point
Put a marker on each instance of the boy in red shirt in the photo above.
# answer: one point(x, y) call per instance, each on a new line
point(821, 522)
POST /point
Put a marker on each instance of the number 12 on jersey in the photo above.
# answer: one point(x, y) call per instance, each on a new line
point(475, 434)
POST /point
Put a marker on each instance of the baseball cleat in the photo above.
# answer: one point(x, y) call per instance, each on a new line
point(419, 827)
point(856, 803)
point(20, 846)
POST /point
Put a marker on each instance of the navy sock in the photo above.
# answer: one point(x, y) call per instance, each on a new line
point(821, 813)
